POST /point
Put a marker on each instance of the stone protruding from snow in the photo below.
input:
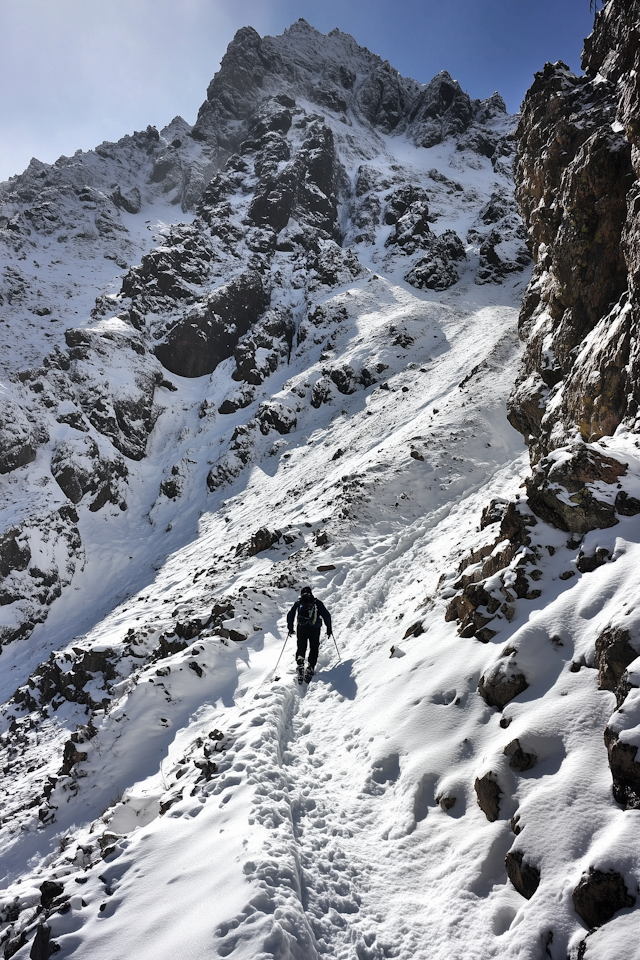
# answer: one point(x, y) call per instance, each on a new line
point(561, 492)
point(50, 890)
point(518, 759)
point(614, 653)
point(600, 895)
point(625, 770)
point(488, 794)
point(478, 603)
point(262, 539)
point(523, 875)
point(499, 685)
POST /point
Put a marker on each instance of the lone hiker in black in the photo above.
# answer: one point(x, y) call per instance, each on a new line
point(309, 610)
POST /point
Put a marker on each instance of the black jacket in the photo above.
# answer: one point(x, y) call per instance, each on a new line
point(322, 612)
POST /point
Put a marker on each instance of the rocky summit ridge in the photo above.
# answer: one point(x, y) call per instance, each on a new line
point(278, 347)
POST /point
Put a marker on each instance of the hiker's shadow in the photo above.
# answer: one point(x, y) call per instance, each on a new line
point(340, 678)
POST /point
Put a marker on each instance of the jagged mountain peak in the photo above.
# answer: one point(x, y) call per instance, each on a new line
point(339, 76)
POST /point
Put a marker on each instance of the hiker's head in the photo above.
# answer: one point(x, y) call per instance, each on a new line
point(306, 592)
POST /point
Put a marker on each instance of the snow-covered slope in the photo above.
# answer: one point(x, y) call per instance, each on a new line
point(262, 405)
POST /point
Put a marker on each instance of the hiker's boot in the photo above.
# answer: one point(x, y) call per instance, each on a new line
point(300, 669)
point(308, 674)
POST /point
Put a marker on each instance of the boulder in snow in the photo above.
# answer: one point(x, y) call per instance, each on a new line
point(261, 540)
point(625, 770)
point(277, 416)
point(599, 896)
point(559, 491)
point(501, 684)
point(488, 793)
point(437, 269)
point(524, 876)
point(518, 759)
point(614, 653)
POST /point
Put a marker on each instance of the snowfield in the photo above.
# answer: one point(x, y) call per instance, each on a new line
point(230, 812)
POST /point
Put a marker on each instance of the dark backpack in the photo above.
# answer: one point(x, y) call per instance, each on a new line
point(307, 612)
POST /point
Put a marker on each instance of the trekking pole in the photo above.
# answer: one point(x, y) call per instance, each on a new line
point(279, 658)
point(336, 643)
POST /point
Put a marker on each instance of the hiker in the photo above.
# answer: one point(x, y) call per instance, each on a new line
point(309, 610)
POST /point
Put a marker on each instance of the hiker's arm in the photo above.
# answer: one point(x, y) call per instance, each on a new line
point(326, 616)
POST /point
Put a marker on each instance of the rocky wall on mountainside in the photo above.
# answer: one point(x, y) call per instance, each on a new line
point(576, 169)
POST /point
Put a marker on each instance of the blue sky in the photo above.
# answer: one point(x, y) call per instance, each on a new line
point(76, 72)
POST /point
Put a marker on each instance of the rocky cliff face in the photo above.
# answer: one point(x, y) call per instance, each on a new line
point(576, 396)
point(576, 172)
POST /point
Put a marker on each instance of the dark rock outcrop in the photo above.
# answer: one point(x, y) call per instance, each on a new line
point(28, 588)
point(78, 470)
point(518, 758)
point(273, 415)
point(437, 269)
point(441, 109)
point(273, 333)
point(499, 258)
point(306, 189)
point(399, 202)
point(130, 200)
point(206, 336)
point(560, 493)
point(408, 211)
point(625, 770)
point(614, 653)
point(524, 876)
point(53, 682)
point(121, 408)
point(499, 685)
point(488, 794)
point(573, 172)
point(476, 605)
point(19, 437)
point(599, 896)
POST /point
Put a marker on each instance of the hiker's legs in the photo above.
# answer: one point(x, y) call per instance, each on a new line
point(301, 650)
point(314, 644)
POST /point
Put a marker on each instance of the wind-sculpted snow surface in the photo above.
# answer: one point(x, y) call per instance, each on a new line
point(305, 382)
